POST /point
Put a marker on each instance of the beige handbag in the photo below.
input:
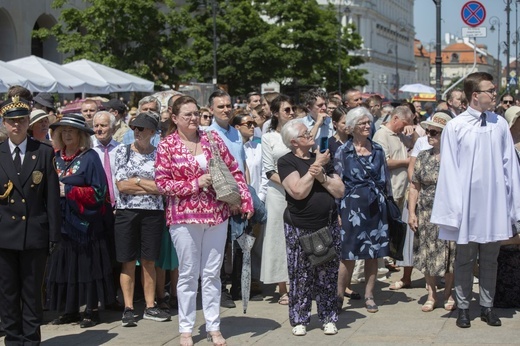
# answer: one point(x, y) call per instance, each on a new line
point(223, 181)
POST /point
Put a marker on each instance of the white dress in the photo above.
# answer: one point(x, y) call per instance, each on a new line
point(274, 253)
point(478, 191)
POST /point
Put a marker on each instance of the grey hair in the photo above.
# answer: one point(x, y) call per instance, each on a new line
point(111, 118)
point(290, 131)
point(149, 99)
point(403, 113)
point(356, 114)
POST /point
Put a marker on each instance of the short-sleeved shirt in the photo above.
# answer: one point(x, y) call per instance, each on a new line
point(233, 140)
point(314, 211)
point(395, 149)
point(137, 165)
point(420, 144)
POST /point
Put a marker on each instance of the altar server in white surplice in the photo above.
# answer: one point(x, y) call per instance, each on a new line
point(478, 193)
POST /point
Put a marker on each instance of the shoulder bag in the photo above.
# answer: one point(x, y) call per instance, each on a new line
point(223, 181)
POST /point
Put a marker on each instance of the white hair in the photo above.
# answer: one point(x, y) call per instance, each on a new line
point(354, 115)
point(290, 131)
point(111, 118)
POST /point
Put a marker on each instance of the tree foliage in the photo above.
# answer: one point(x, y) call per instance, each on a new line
point(289, 41)
point(133, 36)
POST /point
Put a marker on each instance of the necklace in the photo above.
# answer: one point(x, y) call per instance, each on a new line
point(192, 151)
point(69, 158)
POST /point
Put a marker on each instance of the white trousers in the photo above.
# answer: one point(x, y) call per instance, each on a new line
point(200, 249)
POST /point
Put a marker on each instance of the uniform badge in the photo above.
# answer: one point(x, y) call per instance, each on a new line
point(37, 177)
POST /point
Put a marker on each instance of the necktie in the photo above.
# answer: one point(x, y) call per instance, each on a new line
point(483, 119)
point(17, 160)
point(108, 173)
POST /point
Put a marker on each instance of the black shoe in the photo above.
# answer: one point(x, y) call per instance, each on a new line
point(256, 297)
point(67, 318)
point(463, 319)
point(128, 319)
point(173, 302)
point(90, 319)
point(226, 301)
point(488, 315)
point(156, 314)
point(354, 295)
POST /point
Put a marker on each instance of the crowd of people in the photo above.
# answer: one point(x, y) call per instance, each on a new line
point(102, 205)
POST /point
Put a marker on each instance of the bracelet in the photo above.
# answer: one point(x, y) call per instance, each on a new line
point(324, 179)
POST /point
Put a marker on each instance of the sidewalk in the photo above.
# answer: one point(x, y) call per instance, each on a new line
point(399, 321)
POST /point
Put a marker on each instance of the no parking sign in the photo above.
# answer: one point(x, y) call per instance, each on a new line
point(473, 13)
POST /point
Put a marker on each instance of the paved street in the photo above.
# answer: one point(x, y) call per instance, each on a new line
point(398, 322)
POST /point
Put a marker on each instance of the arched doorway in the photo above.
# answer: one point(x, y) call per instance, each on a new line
point(8, 44)
point(47, 48)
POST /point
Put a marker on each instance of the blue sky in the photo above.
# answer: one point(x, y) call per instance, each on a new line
point(424, 17)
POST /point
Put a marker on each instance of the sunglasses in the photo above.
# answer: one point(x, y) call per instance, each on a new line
point(139, 128)
point(206, 117)
point(288, 109)
point(249, 124)
point(432, 133)
point(510, 102)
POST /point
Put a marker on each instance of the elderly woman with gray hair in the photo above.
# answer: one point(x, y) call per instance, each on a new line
point(311, 187)
point(362, 167)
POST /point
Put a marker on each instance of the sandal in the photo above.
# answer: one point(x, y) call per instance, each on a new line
point(398, 285)
point(428, 306)
point(299, 330)
point(372, 308)
point(216, 338)
point(186, 339)
point(449, 305)
point(330, 328)
point(284, 299)
point(352, 295)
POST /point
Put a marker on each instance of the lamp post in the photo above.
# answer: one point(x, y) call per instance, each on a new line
point(340, 26)
point(400, 26)
point(508, 46)
point(494, 21)
point(214, 10)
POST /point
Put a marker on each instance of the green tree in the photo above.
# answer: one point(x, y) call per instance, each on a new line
point(308, 35)
point(246, 57)
point(134, 36)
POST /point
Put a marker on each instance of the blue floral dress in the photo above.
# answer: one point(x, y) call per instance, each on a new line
point(363, 213)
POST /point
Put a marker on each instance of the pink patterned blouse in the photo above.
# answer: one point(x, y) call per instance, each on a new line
point(176, 175)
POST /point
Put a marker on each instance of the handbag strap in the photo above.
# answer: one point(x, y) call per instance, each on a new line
point(213, 144)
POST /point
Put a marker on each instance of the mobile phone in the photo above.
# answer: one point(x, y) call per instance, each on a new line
point(324, 144)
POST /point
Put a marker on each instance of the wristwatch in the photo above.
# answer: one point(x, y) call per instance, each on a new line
point(138, 181)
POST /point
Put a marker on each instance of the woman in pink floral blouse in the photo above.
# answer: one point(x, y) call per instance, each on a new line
point(197, 221)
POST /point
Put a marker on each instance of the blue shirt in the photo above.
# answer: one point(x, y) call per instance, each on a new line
point(326, 129)
point(234, 143)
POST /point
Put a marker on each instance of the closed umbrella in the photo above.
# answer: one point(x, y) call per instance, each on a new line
point(246, 242)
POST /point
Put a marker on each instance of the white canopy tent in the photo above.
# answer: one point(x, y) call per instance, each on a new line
point(65, 81)
point(13, 75)
point(118, 81)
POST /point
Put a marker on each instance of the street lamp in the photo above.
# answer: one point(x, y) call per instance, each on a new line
point(340, 26)
point(214, 10)
point(494, 21)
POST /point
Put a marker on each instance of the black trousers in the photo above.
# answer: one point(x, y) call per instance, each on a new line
point(21, 278)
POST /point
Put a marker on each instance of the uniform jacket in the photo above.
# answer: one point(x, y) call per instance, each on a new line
point(30, 216)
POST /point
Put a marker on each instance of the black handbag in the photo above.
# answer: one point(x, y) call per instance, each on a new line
point(318, 245)
point(396, 225)
point(396, 229)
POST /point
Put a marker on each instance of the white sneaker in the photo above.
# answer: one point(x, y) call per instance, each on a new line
point(330, 328)
point(299, 330)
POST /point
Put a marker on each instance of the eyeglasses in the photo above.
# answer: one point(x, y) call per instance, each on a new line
point(188, 116)
point(288, 109)
point(364, 123)
point(139, 128)
point(432, 133)
point(510, 102)
point(306, 134)
point(490, 91)
point(249, 124)
point(206, 116)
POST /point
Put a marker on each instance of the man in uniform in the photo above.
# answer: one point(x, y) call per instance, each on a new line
point(31, 221)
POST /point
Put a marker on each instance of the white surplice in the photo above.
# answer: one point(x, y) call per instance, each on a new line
point(478, 189)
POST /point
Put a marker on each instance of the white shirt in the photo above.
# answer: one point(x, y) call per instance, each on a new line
point(420, 144)
point(478, 190)
point(254, 163)
point(100, 150)
point(22, 146)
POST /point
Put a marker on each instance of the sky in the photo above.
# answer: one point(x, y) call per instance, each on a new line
point(425, 19)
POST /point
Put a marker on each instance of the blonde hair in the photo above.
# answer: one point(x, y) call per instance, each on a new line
point(57, 141)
